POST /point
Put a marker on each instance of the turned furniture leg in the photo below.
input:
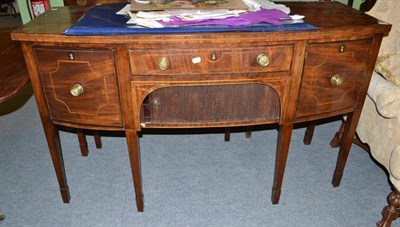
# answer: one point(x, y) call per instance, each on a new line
point(309, 133)
point(53, 141)
point(390, 212)
point(335, 142)
point(282, 150)
point(134, 157)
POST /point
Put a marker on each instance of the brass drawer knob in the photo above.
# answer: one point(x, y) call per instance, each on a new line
point(336, 80)
point(76, 90)
point(163, 63)
point(263, 60)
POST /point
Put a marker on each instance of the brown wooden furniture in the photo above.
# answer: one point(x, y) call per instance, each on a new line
point(14, 78)
point(81, 135)
point(365, 6)
point(13, 73)
point(130, 82)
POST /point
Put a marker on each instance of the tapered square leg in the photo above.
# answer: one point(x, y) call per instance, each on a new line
point(248, 132)
point(134, 157)
point(83, 143)
point(285, 134)
point(53, 141)
point(345, 145)
point(309, 133)
point(97, 140)
point(227, 134)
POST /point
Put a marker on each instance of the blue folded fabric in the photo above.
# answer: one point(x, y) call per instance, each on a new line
point(103, 20)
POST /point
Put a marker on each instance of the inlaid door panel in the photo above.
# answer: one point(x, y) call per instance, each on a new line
point(80, 85)
point(332, 76)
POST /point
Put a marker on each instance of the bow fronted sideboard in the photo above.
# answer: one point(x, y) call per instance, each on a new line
point(201, 79)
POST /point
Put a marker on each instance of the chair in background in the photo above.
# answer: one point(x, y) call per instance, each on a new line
point(379, 124)
point(10, 4)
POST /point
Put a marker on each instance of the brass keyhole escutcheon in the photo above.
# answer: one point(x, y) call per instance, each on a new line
point(263, 60)
point(336, 80)
point(76, 90)
point(213, 56)
point(163, 63)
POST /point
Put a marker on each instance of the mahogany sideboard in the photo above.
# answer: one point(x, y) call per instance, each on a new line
point(130, 82)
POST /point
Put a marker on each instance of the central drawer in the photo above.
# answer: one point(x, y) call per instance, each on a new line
point(210, 61)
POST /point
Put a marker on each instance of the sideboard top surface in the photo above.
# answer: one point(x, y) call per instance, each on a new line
point(333, 19)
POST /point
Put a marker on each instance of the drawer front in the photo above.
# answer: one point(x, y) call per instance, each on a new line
point(210, 61)
point(80, 85)
point(332, 76)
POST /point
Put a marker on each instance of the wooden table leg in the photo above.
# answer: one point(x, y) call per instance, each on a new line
point(97, 140)
point(134, 157)
point(309, 133)
point(248, 132)
point(282, 150)
point(53, 141)
point(227, 134)
point(345, 145)
point(83, 143)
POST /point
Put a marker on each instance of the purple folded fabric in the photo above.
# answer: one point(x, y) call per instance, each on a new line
point(271, 16)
